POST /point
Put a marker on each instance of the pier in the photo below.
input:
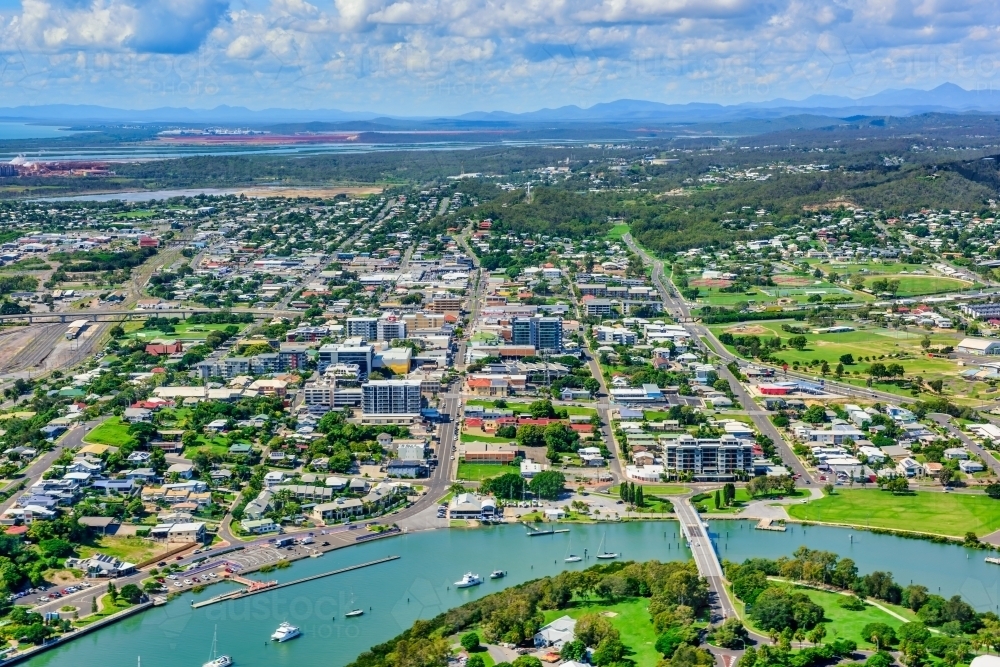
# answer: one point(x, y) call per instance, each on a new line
point(535, 532)
point(769, 524)
point(255, 587)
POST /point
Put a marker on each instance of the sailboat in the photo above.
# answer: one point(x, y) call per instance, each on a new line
point(217, 660)
point(357, 611)
point(571, 558)
point(605, 555)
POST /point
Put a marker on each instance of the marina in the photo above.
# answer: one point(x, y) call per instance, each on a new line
point(255, 587)
point(420, 584)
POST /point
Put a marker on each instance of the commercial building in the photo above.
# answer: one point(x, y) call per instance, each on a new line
point(358, 353)
point(979, 346)
point(397, 397)
point(542, 333)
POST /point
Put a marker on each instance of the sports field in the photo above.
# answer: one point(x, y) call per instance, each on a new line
point(861, 344)
point(950, 514)
point(911, 285)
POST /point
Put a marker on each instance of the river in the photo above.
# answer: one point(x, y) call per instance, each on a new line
point(420, 585)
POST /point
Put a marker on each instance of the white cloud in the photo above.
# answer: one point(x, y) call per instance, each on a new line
point(515, 54)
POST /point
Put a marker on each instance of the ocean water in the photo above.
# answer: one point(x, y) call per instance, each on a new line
point(9, 130)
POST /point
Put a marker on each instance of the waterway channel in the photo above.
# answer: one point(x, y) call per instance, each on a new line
point(421, 584)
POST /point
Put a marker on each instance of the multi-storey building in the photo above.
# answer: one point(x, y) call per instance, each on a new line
point(709, 458)
point(391, 397)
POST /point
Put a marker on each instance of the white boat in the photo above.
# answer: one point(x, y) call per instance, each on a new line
point(498, 574)
point(285, 632)
point(469, 580)
point(572, 558)
point(354, 613)
point(217, 660)
point(605, 555)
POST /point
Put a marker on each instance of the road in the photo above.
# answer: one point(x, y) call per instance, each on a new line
point(760, 417)
point(987, 457)
point(705, 558)
point(72, 439)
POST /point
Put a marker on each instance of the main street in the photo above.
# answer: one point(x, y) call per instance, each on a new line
point(700, 333)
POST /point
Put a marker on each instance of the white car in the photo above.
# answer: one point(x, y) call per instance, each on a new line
point(188, 582)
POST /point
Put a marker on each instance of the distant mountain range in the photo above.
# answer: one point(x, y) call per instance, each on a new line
point(946, 98)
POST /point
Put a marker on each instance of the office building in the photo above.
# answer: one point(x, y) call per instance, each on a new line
point(542, 333)
point(358, 353)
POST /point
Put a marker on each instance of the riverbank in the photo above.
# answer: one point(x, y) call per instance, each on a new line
point(200, 579)
point(421, 585)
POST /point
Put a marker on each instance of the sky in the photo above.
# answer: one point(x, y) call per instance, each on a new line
point(445, 57)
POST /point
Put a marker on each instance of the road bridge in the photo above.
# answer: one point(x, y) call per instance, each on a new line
point(703, 551)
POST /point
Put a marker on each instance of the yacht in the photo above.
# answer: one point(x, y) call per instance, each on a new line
point(469, 580)
point(217, 660)
point(498, 574)
point(354, 612)
point(604, 554)
point(285, 632)
point(572, 558)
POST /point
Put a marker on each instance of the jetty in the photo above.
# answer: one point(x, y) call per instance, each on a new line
point(255, 587)
point(535, 532)
point(770, 524)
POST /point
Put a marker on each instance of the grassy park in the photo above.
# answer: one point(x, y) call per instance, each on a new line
point(630, 618)
point(921, 285)
point(477, 472)
point(949, 514)
point(865, 345)
point(845, 623)
point(112, 431)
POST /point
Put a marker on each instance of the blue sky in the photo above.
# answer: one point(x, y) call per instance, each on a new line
point(410, 57)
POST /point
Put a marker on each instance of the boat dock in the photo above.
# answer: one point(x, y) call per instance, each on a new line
point(254, 587)
point(535, 532)
point(769, 524)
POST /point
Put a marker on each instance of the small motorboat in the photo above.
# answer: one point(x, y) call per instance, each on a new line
point(498, 574)
point(572, 558)
point(354, 613)
point(469, 580)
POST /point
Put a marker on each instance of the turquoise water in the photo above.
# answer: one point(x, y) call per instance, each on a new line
point(25, 131)
point(420, 585)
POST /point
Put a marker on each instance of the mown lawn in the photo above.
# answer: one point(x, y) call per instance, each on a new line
point(471, 437)
point(112, 431)
point(477, 472)
point(617, 232)
point(631, 619)
point(843, 623)
point(910, 285)
point(936, 513)
point(129, 548)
